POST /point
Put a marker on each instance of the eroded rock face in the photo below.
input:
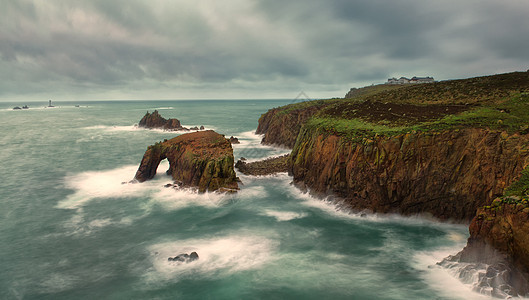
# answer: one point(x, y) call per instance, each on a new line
point(490, 271)
point(201, 159)
point(447, 174)
point(263, 167)
point(280, 128)
point(499, 244)
point(155, 120)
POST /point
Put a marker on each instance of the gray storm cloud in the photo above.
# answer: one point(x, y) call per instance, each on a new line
point(240, 48)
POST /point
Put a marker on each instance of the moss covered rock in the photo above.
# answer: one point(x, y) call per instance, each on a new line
point(200, 159)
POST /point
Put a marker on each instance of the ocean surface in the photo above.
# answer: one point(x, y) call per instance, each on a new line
point(70, 228)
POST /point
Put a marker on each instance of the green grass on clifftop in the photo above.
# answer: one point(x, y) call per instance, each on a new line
point(511, 115)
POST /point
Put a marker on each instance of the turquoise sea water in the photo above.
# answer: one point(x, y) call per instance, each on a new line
point(69, 228)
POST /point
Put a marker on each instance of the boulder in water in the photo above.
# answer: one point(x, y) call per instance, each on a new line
point(234, 140)
point(184, 257)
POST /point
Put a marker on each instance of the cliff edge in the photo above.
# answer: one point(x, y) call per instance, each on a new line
point(200, 159)
point(448, 149)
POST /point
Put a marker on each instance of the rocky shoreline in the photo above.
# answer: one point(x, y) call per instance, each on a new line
point(264, 167)
point(448, 149)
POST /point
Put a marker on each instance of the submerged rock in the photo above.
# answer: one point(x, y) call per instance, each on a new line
point(498, 248)
point(202, 159)
point(234, 140)
point(184, 257)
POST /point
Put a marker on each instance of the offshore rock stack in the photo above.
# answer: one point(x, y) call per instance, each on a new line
point(155, 120)
point(203, 160)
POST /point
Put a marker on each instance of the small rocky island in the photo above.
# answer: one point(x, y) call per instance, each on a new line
point(202, 160)
point(155, 120)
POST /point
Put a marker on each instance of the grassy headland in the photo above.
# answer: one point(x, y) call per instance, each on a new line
point(499, 102)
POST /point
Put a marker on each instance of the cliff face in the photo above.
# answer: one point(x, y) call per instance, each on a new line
point(155, 120)
point(446, 148)
point(281, 127)
point(200, 159)
point(505, 226)
point(498, 248)
point(448, 174)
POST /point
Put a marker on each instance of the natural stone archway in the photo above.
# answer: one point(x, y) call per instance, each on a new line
point(200, 159)
point(149, 163)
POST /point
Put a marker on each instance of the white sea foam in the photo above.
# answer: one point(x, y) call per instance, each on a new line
point(440, 278)
point(126, 128)
point(174, 199)
point(78, 225)
point(91, 185)
point(339, 210)
point(249, 179)
point(217, 256)
point(136, 128)
point(54, 283)
point(160, 108)
point(284, 215)
point(112, 184)
point(250, 146)
point(252, 192)
point(324, 205)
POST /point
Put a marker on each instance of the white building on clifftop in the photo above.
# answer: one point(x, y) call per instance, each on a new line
point(414, 79)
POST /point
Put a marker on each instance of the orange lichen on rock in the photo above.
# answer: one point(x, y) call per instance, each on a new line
point(200, 159)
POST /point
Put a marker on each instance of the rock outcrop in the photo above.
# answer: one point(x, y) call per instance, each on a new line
point(264, 167)
point(201, 159)
point(184, 257)
point(281, 126)
point(448, 174)
point(499, 246)
point(234, 140)
point(155, 120)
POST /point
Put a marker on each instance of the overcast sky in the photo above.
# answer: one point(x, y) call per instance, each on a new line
point(193, 49)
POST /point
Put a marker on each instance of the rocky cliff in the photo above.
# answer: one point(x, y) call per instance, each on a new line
point(281, 126)
point(201, 159)
point(504, 225)
point(498, 248)
point(446, 148)
point(155, 120)
point(448, 174)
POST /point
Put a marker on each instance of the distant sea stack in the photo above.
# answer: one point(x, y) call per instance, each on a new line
point(155, 120)
point(203, 160)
